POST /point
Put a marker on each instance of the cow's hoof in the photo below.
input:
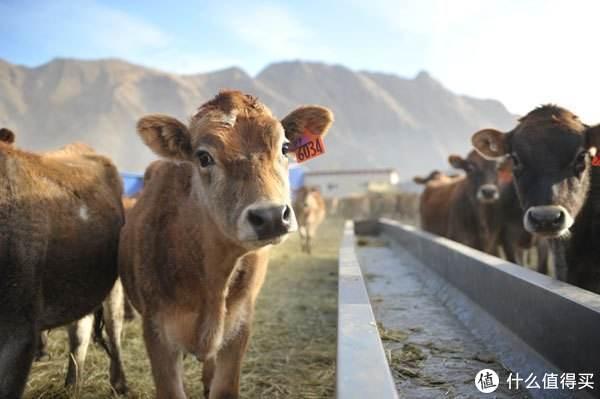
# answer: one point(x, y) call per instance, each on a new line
point(120, 387)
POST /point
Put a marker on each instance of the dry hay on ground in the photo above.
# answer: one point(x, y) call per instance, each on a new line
point(292, 350)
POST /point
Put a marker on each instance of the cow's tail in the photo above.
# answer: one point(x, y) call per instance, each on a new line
point(99, 329)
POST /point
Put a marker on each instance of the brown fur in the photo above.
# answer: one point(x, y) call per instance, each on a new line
point(309, 207)
point(434, 202)
point(471, 221)
point(60, 216)
point(188, 262)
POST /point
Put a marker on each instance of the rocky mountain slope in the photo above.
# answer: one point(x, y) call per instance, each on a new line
point(382, 120)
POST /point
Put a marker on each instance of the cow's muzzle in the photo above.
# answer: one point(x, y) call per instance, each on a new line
point(266, 222)
point(488, 193)
point(548, 220)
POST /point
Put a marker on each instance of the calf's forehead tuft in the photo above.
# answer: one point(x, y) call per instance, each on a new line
point(548, 117)
point(233, 103)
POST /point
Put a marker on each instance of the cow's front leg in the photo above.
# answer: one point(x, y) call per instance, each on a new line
point(301, 232)
point(208, 372)
point(80, 333)
point(226, 380)
point(114, 315)
point(166, 363)
point(211, 327)
point(42, 344)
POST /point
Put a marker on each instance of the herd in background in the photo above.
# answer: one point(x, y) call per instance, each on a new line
point(480, 209)
point(535, 185)
point(191, 250)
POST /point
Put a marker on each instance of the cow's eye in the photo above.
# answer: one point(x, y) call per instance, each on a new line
point(517, 164)
point(285, 148)
point(205, 158)
point(580, 163)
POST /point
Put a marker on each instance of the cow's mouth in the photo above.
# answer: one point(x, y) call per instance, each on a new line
point(265, 241)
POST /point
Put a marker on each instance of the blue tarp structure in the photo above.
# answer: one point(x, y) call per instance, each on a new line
point(133, 182)
point(296, 176)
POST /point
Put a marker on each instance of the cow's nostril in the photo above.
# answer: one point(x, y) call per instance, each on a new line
point(287, 213)
point(559, 218)
point(532, 218)
point(255, 219)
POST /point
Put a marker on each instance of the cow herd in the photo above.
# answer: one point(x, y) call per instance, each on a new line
point(191, 253)
point(535, 185)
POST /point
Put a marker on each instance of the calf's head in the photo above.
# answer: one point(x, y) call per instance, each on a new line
point(239, 151)
point(481, 176)
point(551, 152)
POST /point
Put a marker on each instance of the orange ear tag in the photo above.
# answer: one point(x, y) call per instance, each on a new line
point(596, 160)
point(308, 146)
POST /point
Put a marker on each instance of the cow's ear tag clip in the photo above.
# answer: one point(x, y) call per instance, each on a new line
point(308, 146)
point(595, 156)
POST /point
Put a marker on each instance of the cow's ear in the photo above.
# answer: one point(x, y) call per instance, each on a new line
point(490, 143)
point(419, 180)
point(7, 136)
point(592, 139)
point(457, 162)
point(312, 119)
point(165, 136)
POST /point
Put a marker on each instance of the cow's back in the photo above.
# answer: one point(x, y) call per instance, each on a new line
point(434, 206)
point(67, 210)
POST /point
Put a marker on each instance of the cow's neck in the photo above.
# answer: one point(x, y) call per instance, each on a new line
point(486, 213)
point(220, 258)
point(219, 253)
point(580, 248)
point(587, 222)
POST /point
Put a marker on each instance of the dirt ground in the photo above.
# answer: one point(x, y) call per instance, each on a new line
point(292, 351)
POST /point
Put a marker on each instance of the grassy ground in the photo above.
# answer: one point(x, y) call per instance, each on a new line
point(292, 351)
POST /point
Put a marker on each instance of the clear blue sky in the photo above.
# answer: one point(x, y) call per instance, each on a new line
point(521, 52)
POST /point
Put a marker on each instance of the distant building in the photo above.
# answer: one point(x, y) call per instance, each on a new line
point(348, 183)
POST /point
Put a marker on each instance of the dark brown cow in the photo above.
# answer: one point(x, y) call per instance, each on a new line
point(557, 186)
point(309, 208)
point(195, 248)
point(434, 201)
point(60, 216)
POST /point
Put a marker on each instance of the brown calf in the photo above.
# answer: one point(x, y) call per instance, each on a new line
point(434, 201)
point(473, 218)
point(195, 248)
point(309, 208)
point(60, 216)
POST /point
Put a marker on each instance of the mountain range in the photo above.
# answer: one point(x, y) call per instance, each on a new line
point(381, 120)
